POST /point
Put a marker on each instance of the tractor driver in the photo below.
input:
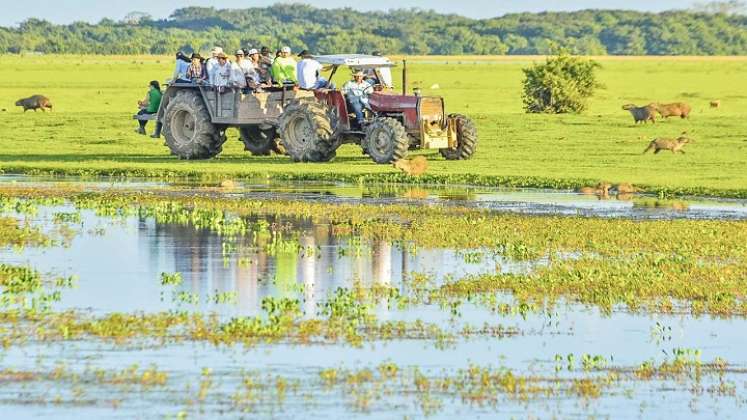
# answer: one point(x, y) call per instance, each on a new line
point(356, 91)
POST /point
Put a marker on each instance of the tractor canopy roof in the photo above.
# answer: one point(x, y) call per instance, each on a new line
point(360, 61)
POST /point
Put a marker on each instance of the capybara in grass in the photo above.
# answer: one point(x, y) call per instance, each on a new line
point(642, 114)
point(413, 167)
point(35, 102)
point(674, 145)
point(675, 109)
point(716, 104)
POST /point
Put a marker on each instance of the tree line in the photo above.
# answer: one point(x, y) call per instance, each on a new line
point(411, 31)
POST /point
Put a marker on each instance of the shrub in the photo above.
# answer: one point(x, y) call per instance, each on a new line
point(560, 85)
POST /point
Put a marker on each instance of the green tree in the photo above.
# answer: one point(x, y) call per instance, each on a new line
point(717, 29)
point(562, 84)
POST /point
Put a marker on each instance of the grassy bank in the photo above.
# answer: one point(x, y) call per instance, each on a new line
point(91, 132)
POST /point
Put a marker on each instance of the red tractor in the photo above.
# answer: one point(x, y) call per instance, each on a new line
point(309, 125)
point(312, 129)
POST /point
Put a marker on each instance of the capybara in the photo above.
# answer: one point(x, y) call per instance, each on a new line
point(602, 189)
point(413, 167)
point(626, 188)
point(676, 109)
point(35, 102)
point(716, 104)
point(642, 114)
point(674, 145)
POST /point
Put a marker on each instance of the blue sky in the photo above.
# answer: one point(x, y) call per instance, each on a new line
point(66, 11)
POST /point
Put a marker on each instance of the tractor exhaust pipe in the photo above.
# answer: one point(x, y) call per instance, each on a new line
point(404, 77)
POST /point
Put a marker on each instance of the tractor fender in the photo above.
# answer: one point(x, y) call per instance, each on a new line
point(335, 100)
point(405, 105)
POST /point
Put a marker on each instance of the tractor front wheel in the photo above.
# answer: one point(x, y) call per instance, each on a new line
point(188, 130)
point(386, 140)
point(466, 139)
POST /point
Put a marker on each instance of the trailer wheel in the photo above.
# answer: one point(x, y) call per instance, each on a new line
point(188, 130)
point(261, 141)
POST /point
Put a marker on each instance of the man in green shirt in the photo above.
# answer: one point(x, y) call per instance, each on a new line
point(284, 68)
point(150, 106)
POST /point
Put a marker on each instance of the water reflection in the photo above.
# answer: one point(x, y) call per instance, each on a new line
point(120, 270)
point(526, 201)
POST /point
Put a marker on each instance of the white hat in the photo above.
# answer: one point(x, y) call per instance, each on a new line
point(239, 52)
point(252, 51)
point(285, 49)
point(217, 50)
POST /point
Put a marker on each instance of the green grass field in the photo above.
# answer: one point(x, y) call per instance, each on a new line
point(91, 130)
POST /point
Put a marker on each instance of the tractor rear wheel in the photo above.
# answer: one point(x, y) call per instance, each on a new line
point(466, 139)
point(386, 140)
point(187, 127)
point(260, 141)
point(306, 132)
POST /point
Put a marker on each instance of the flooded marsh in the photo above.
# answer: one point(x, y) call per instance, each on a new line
point(192, 301)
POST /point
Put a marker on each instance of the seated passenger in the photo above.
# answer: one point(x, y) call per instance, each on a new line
point(149, 106)
point(308, 70)
point(213, 60)
point(356, 92)
point(284, 68)
point(220, 75)
point(265, 66)
point(238, 70)
point(254, 79)
point(180, 71)
point(196, 72)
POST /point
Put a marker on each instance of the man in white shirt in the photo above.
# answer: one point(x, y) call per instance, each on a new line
point(307, 71)
point(211, 62)
point(356, 92)
point(238, 70)
point(221, 75)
